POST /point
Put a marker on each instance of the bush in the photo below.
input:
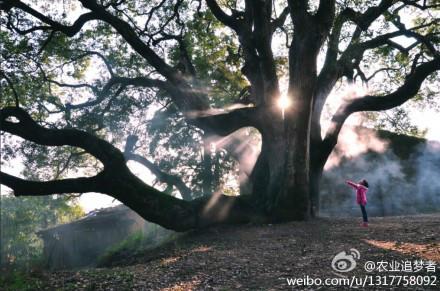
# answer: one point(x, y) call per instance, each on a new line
point(20, 281)
point(127, 251)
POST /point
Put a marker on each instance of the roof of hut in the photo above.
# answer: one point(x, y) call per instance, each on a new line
point(95, 218)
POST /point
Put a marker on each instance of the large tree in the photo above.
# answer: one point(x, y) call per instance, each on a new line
point(183, 56)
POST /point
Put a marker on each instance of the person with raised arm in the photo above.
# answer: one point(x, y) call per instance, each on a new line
point(361, 197)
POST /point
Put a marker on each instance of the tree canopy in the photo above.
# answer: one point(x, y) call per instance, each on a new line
point(191, 90)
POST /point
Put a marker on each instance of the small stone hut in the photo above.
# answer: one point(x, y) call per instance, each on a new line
point(79, 243)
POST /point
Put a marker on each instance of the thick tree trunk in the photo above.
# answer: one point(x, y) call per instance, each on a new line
point(207, 175)
point(216, 177)
point(280, 177)
point(295, 197)
point(296, 192)
point(289, 183)
point(270, 190)
point(315, 181)
point(259, 179)
point(316, 168)
point(273, 137)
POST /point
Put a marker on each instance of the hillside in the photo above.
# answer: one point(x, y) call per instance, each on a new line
point(262, 257)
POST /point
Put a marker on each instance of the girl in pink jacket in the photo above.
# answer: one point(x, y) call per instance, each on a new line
point(361, 197)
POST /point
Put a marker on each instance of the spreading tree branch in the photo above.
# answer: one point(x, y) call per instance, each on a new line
point(163, 177)
point(279, 22)
point(228, 20)
point(424, 6)
point(333, 70)
point(224, 124)
point(189, 100)
point(117, 181)
point(28, 129)
point(408, 90)
point(349, 60)
point(101, 95)
point(186, 59)
point(65, 186)
point(53, 25)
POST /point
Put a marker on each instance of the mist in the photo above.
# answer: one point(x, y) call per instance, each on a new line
point(401, 171)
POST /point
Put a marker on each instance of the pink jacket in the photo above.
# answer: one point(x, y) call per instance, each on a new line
point(361, 192)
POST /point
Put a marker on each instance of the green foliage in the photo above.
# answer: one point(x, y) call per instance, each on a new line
point(22, 218)
point(397, 120)
point(135, 245)
point(132, 242)
point(20, 281)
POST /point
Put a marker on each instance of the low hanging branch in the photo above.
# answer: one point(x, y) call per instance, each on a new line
point(115, 80)
point(23, 187)
point(333, 68)
point(224, 124)
point(28, 129)
point(117, 181)
point(51, 24)
point(377, 103)
point(163, 177)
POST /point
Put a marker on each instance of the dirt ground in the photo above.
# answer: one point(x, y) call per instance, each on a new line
point(264, 257)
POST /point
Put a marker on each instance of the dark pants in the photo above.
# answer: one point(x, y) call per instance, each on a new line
point(364, 213)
